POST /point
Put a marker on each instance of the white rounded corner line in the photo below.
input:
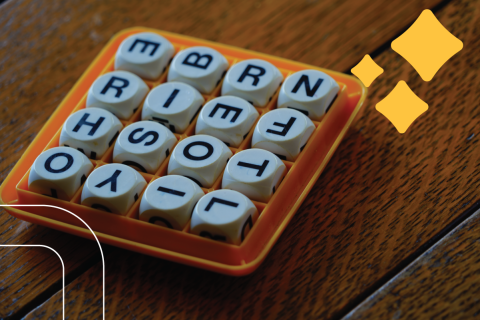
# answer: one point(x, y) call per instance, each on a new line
point(63, 266)
point(61, 260)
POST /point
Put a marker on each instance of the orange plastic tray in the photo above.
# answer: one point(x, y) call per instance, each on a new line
point(180, 246)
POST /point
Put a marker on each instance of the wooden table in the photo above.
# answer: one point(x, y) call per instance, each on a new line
point(382, 210)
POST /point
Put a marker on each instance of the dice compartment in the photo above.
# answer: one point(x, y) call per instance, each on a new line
point(131, 233)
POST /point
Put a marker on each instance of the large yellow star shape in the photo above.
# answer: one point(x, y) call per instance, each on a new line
point(427, 45)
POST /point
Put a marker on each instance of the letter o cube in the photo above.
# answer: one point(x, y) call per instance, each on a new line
point(200, 158)
point(59, 172)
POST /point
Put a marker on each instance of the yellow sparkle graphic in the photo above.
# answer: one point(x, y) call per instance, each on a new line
point(367, 70)
point(427, 45)
point(402, 106)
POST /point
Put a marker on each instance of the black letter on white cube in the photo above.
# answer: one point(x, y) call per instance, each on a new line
point(145, 46)
point(84, 121)
point(286, 127)
point(227, 111)
point(48, 163)
point(112, 180)
point(254, 166)
point(154, 135)
point(256, 77)
point(197, 61)
point(110, 83)
point(188, 155)
point(304, 80)
point(220, 201)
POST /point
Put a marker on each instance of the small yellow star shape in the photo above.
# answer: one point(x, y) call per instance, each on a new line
point(367, 70)
point(402, 106)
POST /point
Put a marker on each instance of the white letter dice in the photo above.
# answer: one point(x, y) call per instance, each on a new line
point(200, 158)
point(309, 91)
point(283, 132)
point(173, 104)
point(253, 80)
point(200, 67)
point(169, 201)
point(119, 92)
point(59, 172)
point(144, 145)
point(112, 188)
point(144, 54)
point(227, 118)
point(223, 215)
point(254, 172)
point(91, 131)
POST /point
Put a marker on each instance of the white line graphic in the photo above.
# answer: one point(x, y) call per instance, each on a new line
point(61, 260)
point(98, 242)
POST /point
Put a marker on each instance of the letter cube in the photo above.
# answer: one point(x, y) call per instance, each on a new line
point(145, 54)
point(309, 91)
point(223, 215)
point(169, 201)
point(144, 145)
point(284, 132)
point(119, 92)
point(255, 173)
point(200, 158)
point(90, 131)
point(200, 67)
point(59, 172)
point(112, 188)
point(173, 104)
point(227, 118)
point(254, 80)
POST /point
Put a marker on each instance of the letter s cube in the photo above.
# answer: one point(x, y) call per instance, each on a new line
point(144, 145)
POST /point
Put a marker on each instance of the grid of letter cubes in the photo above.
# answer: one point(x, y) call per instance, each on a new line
point(198, 141)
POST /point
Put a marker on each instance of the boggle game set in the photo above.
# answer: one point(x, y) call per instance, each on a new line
point(184, 149)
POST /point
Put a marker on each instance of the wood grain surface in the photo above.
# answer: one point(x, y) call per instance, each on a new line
point(444, 283)
point(28, 275)
point(381, 198)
